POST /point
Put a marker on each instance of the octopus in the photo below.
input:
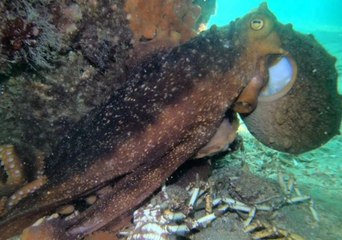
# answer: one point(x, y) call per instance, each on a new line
point(178, 105)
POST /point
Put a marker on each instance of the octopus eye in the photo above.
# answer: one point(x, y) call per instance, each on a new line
point(257, 24)
point(282, 73)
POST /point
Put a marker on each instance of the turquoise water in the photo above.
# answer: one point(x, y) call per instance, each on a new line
point(318, 172)
point(319, 17)
point(302, 13)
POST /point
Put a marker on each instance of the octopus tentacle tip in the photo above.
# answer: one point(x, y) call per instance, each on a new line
point(26, 190)
point(13, 168)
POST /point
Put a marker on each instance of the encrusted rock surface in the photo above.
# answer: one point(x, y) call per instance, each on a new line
point(58, 60)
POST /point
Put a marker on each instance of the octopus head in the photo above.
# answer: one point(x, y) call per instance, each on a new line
point(292, 103)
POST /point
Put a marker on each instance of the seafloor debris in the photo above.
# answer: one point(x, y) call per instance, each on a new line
point(263, 230)
point(160, 220)
point(179, 211)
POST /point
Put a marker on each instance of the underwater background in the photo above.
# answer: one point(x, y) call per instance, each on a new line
point(318, 172)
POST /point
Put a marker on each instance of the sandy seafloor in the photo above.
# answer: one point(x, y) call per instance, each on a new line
point(318, 174)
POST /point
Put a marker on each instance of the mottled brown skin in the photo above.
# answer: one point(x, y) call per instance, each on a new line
point(170, 108)
point(310, 113)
